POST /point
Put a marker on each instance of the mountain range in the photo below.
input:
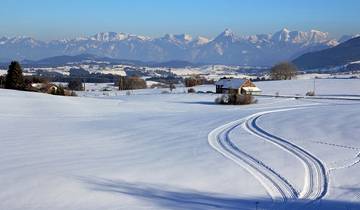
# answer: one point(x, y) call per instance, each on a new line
point(226, 48)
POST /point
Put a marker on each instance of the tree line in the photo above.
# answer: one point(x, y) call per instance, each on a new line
point(197, 80)
point(283, 71)
point(130, 83)
point(15, 79)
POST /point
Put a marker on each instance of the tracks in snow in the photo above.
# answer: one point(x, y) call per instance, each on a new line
point(315, 185)
point(277, 186)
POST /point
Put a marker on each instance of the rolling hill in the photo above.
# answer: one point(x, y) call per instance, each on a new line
point(344, 53)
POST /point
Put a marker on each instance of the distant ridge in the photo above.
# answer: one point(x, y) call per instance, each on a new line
point(81, 58)
point(342, 54)
point(94, 59)
point(226, 48)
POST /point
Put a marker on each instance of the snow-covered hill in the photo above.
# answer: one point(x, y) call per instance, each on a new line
point(226, 48)
point(346, 53)
point(180, 151)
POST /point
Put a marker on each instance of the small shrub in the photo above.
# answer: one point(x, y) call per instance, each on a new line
point(171, 87)
point(73, 93)
point(191, 90)
point(235, 99)
point(60, 91)
point(106, 89)
point(76, 85)
point(310, 93)
point(223, 99)
point(217, 100)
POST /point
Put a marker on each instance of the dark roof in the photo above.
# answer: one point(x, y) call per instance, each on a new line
point(234, 83)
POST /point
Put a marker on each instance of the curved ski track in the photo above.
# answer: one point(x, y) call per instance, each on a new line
point(277, 186)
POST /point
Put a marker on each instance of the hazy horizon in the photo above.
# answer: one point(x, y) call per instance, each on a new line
point(56, 19)
point(162, 35)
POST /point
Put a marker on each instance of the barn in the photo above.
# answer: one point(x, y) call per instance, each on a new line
point(237, 86)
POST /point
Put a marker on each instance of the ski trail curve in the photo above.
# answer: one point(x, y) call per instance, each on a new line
point(316, 181)
point(277, 187)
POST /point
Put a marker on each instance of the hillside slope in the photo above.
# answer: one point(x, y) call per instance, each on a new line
point(151, 151)
point(342, 54)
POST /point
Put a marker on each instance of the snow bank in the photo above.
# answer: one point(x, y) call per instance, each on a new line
point(150, 150)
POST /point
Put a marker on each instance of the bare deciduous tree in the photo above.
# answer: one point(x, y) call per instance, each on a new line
point(283, 71)
point(131, 83)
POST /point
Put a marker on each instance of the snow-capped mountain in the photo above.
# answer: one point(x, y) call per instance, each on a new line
point(300, 37)
point(113, 36)
point(226, 48)
point(263, 49)
point(200, 40)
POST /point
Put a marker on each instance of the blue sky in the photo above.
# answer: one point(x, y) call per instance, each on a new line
point(53, 19)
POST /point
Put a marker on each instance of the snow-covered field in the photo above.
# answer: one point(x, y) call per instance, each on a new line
point(150, 150)
point(3, 72)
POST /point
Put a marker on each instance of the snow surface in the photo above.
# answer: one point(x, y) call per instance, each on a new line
point(322, 87)
point(3, 72)
point(180, 151)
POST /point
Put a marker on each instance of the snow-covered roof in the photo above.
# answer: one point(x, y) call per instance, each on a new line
point(251, 89)
point(234, 83)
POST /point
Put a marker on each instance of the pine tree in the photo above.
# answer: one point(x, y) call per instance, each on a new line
point(14, 77)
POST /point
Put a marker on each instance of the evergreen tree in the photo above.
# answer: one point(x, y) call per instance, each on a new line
point(2, 81)
point(14, 77)
point(60, 91)
point(76, 85)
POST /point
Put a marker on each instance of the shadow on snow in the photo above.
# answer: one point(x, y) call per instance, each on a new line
point(176, 198)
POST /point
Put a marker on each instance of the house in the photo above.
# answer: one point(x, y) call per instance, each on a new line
point(51, 88)
point(237, 86)
point(44, 87)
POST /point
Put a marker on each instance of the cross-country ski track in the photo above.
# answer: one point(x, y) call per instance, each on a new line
point(277, 186)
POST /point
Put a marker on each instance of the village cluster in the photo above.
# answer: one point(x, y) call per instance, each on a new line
point(66, 79)
point(233, 84)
